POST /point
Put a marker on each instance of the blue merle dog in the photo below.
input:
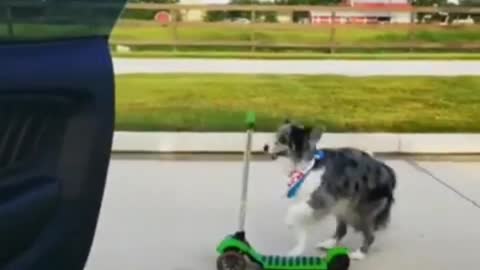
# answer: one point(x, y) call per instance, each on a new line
point(349, 183)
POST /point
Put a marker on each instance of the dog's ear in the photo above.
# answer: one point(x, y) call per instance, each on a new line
point(308, 130)
point(315, 134)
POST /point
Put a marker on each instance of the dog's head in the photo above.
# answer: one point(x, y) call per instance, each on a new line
point(294, 141)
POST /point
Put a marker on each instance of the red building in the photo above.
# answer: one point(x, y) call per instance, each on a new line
point(374, 12)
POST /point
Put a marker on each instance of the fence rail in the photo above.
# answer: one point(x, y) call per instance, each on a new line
point(396, 45)
point(289, 8)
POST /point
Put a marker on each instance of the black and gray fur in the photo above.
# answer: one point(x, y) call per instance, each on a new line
point(357, 188)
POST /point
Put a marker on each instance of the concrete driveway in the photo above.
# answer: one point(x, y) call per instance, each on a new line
point(166, 215)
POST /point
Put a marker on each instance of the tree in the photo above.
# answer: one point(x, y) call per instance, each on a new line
point(429, 3)
point(234, 14)
point(155, 1)
point(268, 16)
point(144, 14)
point(308, 2)
point(470, 3)
point(299, 15)
point(451, 16)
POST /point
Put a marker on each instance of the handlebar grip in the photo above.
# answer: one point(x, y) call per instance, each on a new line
point(250, 120)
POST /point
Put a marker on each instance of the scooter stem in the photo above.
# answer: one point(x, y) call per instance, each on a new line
point(246, 166)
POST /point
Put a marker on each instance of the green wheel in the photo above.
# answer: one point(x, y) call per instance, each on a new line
point(231, 260)
point(339, 262)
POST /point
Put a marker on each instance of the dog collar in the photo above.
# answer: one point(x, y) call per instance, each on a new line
point(319, 155)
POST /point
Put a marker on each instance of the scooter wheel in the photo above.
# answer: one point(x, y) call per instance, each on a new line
point(231, 260)
point(339, 262)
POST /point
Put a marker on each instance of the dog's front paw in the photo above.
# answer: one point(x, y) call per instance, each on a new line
point(357, 255)
point(297, 251)
point(327, 244)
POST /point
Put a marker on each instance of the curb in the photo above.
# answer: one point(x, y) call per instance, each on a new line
point(297, 67)
point(233, 142)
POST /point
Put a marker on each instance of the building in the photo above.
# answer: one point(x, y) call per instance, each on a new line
point(370, 15)
point(194, 15)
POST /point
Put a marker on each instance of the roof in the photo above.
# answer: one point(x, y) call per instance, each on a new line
point(377, 5)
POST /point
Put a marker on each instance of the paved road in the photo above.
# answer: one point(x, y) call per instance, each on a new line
point(337, 67)
point(170, 215)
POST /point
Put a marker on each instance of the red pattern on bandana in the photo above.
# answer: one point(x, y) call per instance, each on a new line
point(295, 177)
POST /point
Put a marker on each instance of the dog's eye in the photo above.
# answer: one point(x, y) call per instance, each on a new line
point(282, 140)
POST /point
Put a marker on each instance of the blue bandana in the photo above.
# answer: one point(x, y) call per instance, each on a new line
point(298, 177)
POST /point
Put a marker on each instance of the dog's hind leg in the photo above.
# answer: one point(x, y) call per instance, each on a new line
point(340, 232)
point(368, 239)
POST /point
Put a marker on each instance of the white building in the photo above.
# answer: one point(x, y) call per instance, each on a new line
point(195, 15)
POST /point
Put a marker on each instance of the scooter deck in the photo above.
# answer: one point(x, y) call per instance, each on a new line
point(275, 262)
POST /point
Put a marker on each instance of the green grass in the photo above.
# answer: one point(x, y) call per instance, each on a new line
point(373, 104)
point(298, 55)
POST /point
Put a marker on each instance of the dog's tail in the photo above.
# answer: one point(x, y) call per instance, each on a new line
point(383, 218)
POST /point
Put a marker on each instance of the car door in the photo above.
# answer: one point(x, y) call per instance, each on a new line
point(56, 128)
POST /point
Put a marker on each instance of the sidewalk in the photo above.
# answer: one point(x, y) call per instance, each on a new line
point(171, 215)
point(224, 142)
point(299, 67)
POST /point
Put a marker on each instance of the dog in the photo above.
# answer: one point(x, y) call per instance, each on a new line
point(351, 184)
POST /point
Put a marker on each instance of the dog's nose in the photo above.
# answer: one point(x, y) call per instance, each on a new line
point(266, 148)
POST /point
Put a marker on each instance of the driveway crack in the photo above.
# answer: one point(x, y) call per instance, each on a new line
point(418, 167)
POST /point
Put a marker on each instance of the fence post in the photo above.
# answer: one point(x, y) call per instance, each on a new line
point(10, 21)
point(174, 28)
point(332, 32)
point(252, 31)
point(411, 31)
